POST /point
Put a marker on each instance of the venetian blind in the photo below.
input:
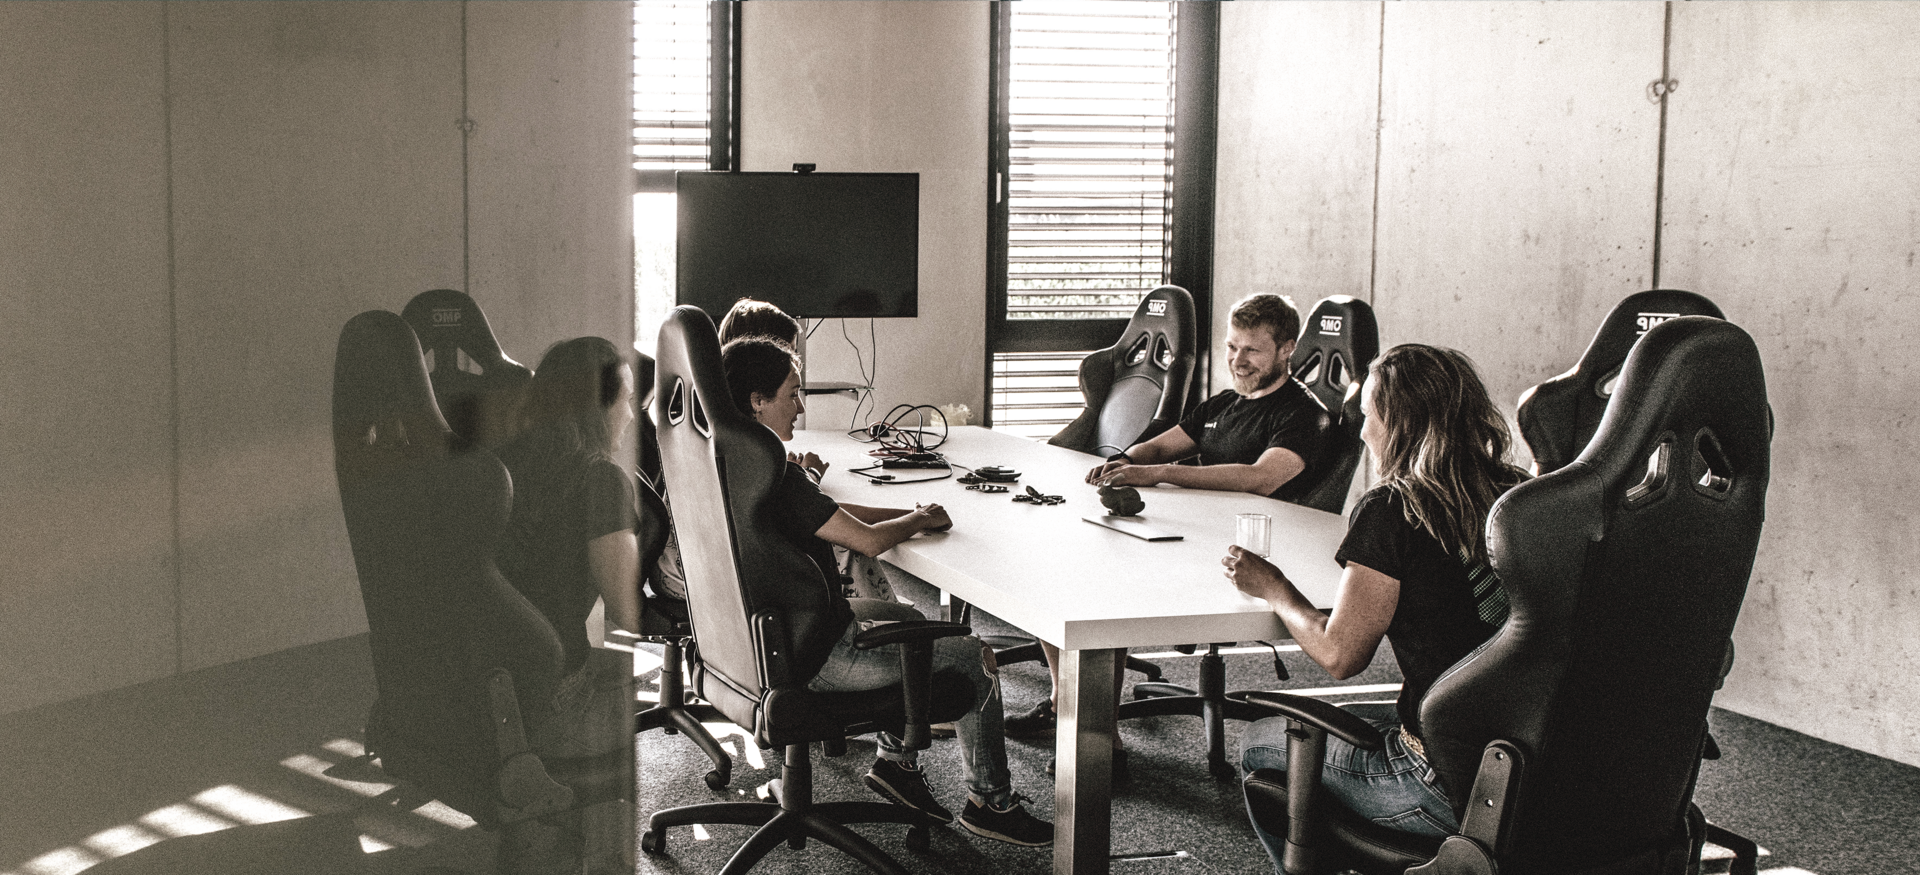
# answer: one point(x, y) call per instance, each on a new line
point(670, 89)
point(1090, 105)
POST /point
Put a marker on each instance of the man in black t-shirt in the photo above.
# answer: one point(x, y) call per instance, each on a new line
point(1259, 437)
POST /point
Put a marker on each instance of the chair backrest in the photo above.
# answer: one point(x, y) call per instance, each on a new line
point(647, 433)
point(423, 520)
point(1625, 571)
point(1559, 416)
point(477, 386)
point(1338, 341)
point(745, 578)
point(662, 614)
point(1137, 388)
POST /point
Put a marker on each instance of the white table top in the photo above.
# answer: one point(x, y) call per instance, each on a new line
point(1075, 584)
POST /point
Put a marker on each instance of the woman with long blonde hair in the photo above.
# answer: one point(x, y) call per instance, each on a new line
point(1415, 559)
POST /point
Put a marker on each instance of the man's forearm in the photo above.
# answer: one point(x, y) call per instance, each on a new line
point(1226, 478)
point(1153, 453)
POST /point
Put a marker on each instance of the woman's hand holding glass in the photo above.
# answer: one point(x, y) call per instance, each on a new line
point(1254, 575)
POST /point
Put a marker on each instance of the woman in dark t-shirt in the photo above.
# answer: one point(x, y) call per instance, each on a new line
point(570, 539)
point(1416, 572)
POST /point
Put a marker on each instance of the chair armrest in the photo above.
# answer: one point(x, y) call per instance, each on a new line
point(916, 638)
point(907, 631)
point(1326, 716)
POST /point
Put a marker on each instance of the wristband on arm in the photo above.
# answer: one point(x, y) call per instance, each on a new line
point(1121, 457)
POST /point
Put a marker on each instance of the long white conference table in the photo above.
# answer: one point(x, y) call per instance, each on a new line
point(1089, 590)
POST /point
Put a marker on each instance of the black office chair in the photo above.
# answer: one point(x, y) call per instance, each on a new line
point(1338, 341)
point(752, 594)
point(1559, 416)
point(1136, 388)
point(663, 618)
point(476, 384)
point(1571, 741)
point(466, 668)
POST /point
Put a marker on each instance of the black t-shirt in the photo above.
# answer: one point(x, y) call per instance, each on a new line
point(1234, 430)
point(1445, 610)
point(561, 501)
point(802, 510)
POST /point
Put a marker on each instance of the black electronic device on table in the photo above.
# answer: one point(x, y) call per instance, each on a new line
point(816, 245)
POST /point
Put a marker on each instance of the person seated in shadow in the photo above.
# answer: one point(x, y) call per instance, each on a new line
point(571, 535)
point(763, 376)
point(1416, 572)
point(570, 541)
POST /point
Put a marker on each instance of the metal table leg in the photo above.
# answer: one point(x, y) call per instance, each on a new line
point(1083, 798)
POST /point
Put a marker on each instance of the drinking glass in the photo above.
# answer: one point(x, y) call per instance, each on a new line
point(1253, 532)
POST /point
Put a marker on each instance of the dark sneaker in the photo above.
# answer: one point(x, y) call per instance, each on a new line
point(1011, 824)
point(1122, 775)
point(1037, 723)
point(906, 785)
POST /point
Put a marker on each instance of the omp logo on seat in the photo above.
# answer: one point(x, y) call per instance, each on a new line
point(446, 317)
point(1330, 324)
point(1156, 308)
point(1646, 321)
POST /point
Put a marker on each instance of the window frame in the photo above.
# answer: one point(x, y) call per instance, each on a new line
point(1190, 213)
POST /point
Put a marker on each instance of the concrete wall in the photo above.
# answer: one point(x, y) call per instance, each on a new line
point(87, 583)
point(198, 196)
point(1793, 200)
point(1303, 162)
point(885, 87)
point(1516, 181)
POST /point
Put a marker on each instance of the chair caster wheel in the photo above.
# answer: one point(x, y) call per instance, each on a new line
point(918, 839)
point(715, 780)
point(1222, 771)
point(654, 841)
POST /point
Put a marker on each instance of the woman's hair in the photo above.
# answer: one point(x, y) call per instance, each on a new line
point(756, 364)
point(1446, 446)
point(567, 399)
point(751, 318)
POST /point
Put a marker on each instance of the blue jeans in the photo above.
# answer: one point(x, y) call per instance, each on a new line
point(1392, 787)
point(983, 744)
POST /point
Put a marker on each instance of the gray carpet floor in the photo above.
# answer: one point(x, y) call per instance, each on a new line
point(1814, 807)
point(105, 782)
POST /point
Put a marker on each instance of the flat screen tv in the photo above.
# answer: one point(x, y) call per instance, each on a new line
point(817, 245)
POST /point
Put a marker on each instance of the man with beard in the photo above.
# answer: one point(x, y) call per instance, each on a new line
point(1259, 437)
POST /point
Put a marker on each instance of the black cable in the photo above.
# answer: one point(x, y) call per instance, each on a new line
point(896, 439)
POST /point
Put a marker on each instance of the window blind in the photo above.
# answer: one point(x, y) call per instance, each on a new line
point(1088, 182)
point(671, 109)
point(1090, 106)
